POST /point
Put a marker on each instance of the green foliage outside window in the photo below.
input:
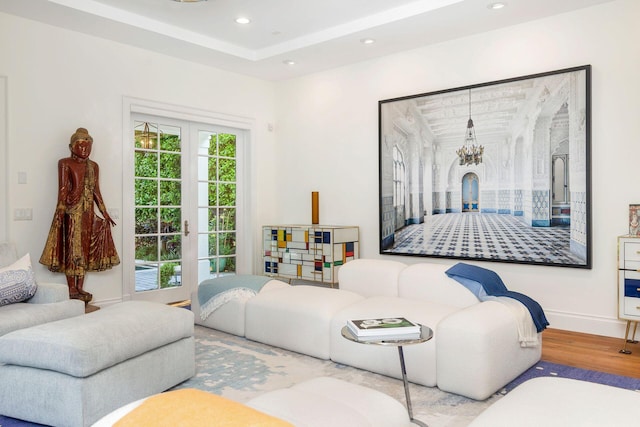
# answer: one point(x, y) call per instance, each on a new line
point(222, 195)
point(149, 191)
point(158, 201)
point(167, 271)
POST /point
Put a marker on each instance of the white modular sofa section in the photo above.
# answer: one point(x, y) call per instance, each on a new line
point(561, 402)
point(297, 318)
point(229, 317)
point(475, 350)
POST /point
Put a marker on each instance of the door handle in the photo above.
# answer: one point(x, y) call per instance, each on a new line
point(186, 227)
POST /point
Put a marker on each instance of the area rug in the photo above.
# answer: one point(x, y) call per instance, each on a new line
point(241, 369)
point(548, 369)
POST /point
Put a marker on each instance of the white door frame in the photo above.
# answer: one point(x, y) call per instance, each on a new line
point(246, 178)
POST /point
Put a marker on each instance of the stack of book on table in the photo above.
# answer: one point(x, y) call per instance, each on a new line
point(387, 329)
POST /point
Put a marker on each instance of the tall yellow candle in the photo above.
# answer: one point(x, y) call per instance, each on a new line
point(315, 207)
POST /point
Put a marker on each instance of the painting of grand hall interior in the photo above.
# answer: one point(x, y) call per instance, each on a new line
point(495, 171)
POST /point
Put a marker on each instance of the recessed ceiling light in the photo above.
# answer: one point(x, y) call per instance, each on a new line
point(496, 6)
point(242, 20)
point(189, 1)
point(288, 62)
point(367, 41)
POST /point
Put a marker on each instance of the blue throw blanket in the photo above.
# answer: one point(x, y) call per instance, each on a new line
point(483, 282)
point(212, 293)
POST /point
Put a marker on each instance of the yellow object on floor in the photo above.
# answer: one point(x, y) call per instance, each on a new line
point(191, 407)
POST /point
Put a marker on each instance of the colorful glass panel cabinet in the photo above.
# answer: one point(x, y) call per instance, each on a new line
point(308, 252)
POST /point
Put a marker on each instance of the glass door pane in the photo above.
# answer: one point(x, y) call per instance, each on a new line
point(158, 183)
point(217, 204)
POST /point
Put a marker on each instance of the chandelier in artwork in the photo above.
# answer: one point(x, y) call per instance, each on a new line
point(470, 152)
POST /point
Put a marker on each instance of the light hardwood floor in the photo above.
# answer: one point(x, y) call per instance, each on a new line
point(594, 352)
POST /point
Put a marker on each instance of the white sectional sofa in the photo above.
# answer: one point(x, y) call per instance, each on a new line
point(474, 352)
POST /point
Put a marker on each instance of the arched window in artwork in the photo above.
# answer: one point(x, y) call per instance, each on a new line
point(560, 178)
point(399, 178)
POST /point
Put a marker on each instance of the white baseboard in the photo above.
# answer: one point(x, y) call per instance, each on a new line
point(588, 324)
point(106, 302)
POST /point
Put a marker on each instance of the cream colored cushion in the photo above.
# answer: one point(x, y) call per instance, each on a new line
point(371, 277)
point(296, 318)
point(330, 402)
point(191, 407)
point(428, 281)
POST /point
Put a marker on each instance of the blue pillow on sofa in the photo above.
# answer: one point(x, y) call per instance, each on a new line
point(17, 282)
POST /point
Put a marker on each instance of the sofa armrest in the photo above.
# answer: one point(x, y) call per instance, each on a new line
point(50, 292)
point(479, 351)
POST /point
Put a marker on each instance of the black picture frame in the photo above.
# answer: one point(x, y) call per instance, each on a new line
point(525, 197)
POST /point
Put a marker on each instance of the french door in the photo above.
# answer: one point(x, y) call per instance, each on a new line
point(184, 206)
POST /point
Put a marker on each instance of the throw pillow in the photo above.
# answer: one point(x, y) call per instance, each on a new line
point(17, 281)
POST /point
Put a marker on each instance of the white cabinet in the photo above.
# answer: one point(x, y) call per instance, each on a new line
point(629, 285)
point(629, 278)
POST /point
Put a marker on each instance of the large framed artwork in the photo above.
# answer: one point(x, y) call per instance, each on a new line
point(497, 171)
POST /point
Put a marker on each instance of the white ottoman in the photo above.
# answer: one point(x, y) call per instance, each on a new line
point(71, 372)
point(561, 402)
point(296, 318)
point(326, 401)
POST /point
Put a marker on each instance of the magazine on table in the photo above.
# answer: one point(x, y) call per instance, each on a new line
point(389, 328)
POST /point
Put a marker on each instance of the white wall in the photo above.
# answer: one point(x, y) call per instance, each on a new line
point(3, 157)
point(60, 80)
point(327, 133)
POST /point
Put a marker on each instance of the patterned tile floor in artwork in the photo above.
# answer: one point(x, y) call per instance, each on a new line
point(487, 236)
